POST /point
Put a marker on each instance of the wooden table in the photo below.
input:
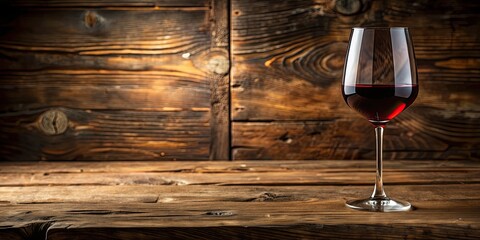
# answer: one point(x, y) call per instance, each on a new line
point(234, 200)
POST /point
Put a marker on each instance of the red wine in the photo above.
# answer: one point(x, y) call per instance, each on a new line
point(379, 103)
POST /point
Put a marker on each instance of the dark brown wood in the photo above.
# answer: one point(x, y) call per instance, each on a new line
point(114, 80)
point(310, 231)
point(287, 66)
point(109, 3)
point(290, 209)
point(98, 90)
point(107, 135)
point(287, 63)
point(352, 138)
point(219, 65)
point(99, 33)
point(160, 194)
point(48, 167)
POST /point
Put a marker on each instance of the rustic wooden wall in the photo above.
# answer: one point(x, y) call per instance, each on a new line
point(286, 75)
point(150, 79)
point(114, 80)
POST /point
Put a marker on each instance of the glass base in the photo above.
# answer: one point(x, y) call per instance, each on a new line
point(379, 205)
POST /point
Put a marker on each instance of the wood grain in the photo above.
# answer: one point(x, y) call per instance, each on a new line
point(262, 179)
point(109, 3)
point(288, 210)
point(287, 66)
point(328, 218)
point(353, 138)
point(238, 174)
point(161, 194)
point(47, 167)
point(135, 80)
point(219, 64)
point(99, 89)
point(169, 56)
point(107, 135)
point(99, 32)
point(267, 232)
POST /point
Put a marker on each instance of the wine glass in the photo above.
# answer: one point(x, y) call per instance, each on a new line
point(379, 82)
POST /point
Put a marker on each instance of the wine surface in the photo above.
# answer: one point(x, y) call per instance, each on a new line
point(379, 103)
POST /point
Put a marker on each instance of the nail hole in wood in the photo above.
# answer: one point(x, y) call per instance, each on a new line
point(236, 85)
point(285, 138)
point(220, 213)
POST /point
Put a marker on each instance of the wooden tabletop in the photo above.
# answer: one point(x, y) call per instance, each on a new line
point(235, 200)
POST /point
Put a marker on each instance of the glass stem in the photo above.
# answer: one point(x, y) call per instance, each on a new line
point(378, 192)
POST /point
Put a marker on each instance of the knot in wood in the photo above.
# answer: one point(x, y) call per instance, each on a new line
point(266, 196)
point(53, 122)
point(348, 7)
point(218, 64)
point(91, 19)
point(271, 197)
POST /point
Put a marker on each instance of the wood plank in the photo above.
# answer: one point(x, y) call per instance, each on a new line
point(333, 166)
point(107, 135)
point(325, 210)
point(109, 3)
point(77, 218)
point(166, 78)
point(181, 174)
point(311, 178)
point(249, 211)
point(99, 32)
point(97, 90)
point(300, 60)
point(353, 138)
point(288, 61)
point(161, 194)
point(220, 80)
point(307, 231)
point(131, 84)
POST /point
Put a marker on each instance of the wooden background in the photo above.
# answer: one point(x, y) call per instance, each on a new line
point(239, 79)
point(114, 80)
